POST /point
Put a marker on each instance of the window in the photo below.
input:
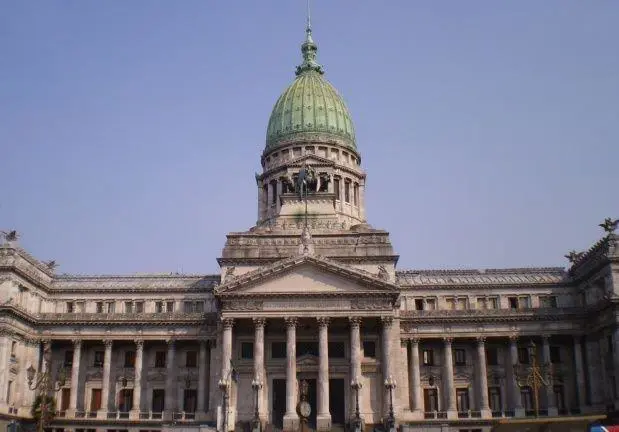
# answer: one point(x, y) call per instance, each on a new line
point(193, 306)
point(355, 194)
point(199, 307)
point(492, 355)
point(95, 399)
point(451, 303)
point(523, 302)
point(523, 355)
point(191, 359)
point(369, 349)
point(70, 307)
point(461, 303)
point(247, 350)
point(139, 307)
point(460, 357)
point(125, 400)
point(158, 400)
point(111, 307)
point(65, 398)
point(462, 399)
point(160, 359)
point(428, 357)
point(513, 302)
point(128, 307)
point(559, 398)
point(187, 307)
point(129, 359)
point(190, 400)
point(13, 348)
point(68, 358)
point(158, 307)
point(430, 304)
point(547, 301)
point(526, 398)
point(304, 348)
point(278, 350)
point(169, 307)
point(273, 193)
point(99, 307)
point(430, 400)
point(555, 354)
point(494, 396)
point(337, 350)
point(493, 303)
point(336, 188)
point(482, 303)
point(98, 362)
point(9, 389)
point(347, 191)
point(418, 304)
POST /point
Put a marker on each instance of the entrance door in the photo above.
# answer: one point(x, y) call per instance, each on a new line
point(337, 402)
point(279, 402)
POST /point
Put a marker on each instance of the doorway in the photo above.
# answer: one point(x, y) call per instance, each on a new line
point(337, 401)
point(279, 402)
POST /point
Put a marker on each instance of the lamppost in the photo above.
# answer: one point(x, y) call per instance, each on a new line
point(356, 385)
point(533, 376)
point(43, 382)
point(256, 385)
point(224, 386)
point(390, 385)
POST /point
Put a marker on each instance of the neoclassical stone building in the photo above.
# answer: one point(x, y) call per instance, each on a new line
point(310, 294)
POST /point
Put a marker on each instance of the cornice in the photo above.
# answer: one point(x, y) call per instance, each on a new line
point(136, 283)
point(338, 258)
point(598, 255)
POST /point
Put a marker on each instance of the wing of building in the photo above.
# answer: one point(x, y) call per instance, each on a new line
point(309, 307)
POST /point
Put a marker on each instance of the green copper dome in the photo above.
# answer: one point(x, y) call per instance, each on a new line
point(310, 108)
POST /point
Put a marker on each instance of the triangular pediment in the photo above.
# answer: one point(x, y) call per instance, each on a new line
point(306, 275)
point(310, 159)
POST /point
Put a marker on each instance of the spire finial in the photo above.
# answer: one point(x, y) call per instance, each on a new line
point(309, 49)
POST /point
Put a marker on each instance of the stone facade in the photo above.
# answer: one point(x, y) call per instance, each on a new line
point(311, 294)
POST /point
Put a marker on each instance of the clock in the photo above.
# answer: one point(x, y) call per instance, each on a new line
point(304, 409)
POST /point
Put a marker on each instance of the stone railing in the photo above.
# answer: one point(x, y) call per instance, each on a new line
point(496, 313)
point(124, 317)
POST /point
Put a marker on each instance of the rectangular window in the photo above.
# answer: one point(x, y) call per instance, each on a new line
point(418, 304)
point(523, 302)
point(347, 192)
point(278, 350)
point(493, 303)
point(95, 399)
point(9, 389)
point(160, 359)
point(482, 303)
point(128, 307)
point(247, 350)
point(169, 307)
point(158, 400)
point(460, 357)
point(559, 398)
point(99, 355)
point(336, 188)
point(494, 396)
point(526, 398)
point(187, 307)
point(555, 354)
point(129, 359)
point(451, 303)
point(430, 304)
point(139, 307)
point(513, 302)
point(99, 307)
point(70, 307)
point(428, 357)
point(158, 307)
point(547, 301)
point(523, 355)
point(306, 347)
point(273, 193)
point(191, 359)
point(65, 398)
point(461, 303)
point(462, 399)
point(199, 307)
point(355, 195)
point(492, 355)
point(125, 400)
point(190, 400)
point(337, 350)
point(68, 358)
point(430, 400)
point(369, 349)
point(111, 307)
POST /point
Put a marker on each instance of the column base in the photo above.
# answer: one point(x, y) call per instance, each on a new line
point(70, 413)
point(291, 422)
point(452, 414)
point(323, 422)
point(486, 413)
point(134, 415)
point(519, 412)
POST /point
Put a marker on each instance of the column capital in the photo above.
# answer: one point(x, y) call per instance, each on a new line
point(228, 323)
point(291, 322)
point(513, 339)
point(323, 321)
point(414, 340)
point(171, 343)
point(448, 340)
point(108, 343)
point(77, 343)
point(545, 338)
point(481, 340)
point(354, 321)
point(387, 321)
point(259, 322)
point(139, 344)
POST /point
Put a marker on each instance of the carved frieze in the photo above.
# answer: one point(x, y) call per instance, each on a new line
point(371, 304)
point(242, 305)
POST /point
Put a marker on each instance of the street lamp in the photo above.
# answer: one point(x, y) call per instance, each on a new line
point(256, 385)
point(534, 376)
point(390, 384)
point(43, 382)
point(356, 385)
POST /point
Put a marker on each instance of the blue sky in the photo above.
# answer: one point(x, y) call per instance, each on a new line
point(130, 131)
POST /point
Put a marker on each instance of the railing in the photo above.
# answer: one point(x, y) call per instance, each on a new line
point(184, 416)
point(435, 415)
point(469, 414)
point(121, 316)
point(524, 312)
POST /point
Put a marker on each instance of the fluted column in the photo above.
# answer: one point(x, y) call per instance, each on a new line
point(323, 418)
point(387, 323)
point(105, 391)
point(171, 391)
point(75, 375)
point(514, 389)
point(484, 404)
point(355, 361)
point(291, 419)
point(137, 379)
point(580, 374)
point(415, 376)
point(259, 324)
point(226, 348)
point(202, 355)
point(450, 389)
point(550, 394)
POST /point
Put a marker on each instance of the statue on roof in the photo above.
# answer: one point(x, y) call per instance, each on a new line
point(10, 236)
point(609, 225)
point(573, 256)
